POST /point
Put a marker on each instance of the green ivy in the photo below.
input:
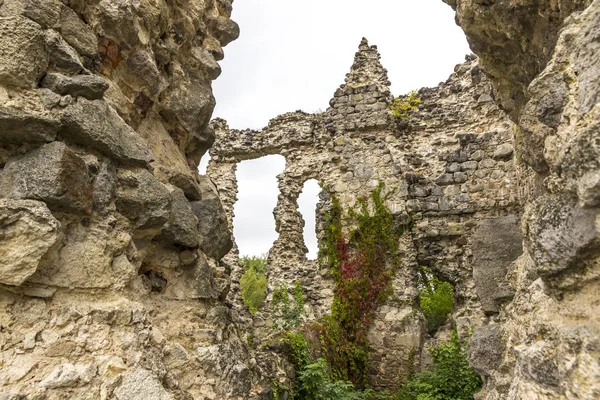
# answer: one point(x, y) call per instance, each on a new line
point(287, 314)
point(451, 378)
point(436, 299)
point(362, 267)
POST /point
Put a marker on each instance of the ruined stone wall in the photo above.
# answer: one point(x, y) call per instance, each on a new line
point(450, 166)
point(543, 61)
point(110, 241)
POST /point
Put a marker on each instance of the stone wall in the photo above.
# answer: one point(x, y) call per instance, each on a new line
point(110, 241)
point(450, 166)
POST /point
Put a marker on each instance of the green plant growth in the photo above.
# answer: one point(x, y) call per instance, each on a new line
point(362, 267)
point(287, 314)
point(403, 106)
point(254, 281)
point(436, 299)
point(451, 378)
point(314, 381)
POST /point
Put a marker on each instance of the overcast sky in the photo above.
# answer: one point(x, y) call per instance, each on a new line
point(293, 55)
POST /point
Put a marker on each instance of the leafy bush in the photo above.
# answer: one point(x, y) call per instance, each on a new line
point(287, 314)
point(254, 281)
point(404, 106)
point(436, 299)
point(451, 379)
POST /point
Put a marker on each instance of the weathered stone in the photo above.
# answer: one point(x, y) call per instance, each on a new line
point(28, 232)
point(19, 126)
point(496, 244)
point(77, 33)
point(215, 236)
point(141, 384)
point(62, 56)
point(44, 12)
point(54, 174)
point(97, 125)
point(560, 234)
point(503, 151)
point(226, 30)
point(105, 186)
point(23, 57)
point(69, 375)
point(143, 200)
point(91, 87)
point(486, 348)
point(181, 227)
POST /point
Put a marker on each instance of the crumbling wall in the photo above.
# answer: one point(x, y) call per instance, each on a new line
point(110, 241)
point(450, 167)
point(542, 57)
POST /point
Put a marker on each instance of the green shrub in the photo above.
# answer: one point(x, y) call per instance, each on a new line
point(451, 378)
point(436, 299)
point(254, 281)
point(404, 106)
point(287, 314)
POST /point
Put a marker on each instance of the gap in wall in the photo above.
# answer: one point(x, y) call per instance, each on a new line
point(307, 205)
point(253, 221)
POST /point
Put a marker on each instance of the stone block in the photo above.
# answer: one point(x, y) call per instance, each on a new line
point(143, 200)
point(180, 229)
point(91, 87)
point(52, 173)
point(29, 231)
point(20, 126)
point(486, 348)
point(23, 56)
point(215, 236)
point(96, 125)
point(496, 243)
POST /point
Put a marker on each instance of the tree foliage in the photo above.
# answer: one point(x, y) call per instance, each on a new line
point(254, 281)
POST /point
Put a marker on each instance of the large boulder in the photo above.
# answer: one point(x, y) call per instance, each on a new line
point(96, 125)
point(496, 244)
point(215, 236)
point(143, 200)
point(27, 232)
point(52, 173)
point(486, 348)
point(23, 56)
point(181, 228)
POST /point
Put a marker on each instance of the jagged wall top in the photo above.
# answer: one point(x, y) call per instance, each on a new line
point(367, 68)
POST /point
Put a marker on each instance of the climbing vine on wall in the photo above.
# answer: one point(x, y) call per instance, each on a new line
point(362, 266)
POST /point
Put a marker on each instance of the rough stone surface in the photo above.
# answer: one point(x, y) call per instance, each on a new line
point(96, 125)
point(546, 76)
point(496, 244)
point(214, 234)
point(104, 110)
point(22, 52)
point(91, 87)
point(486, 348)
point(28, 231)
point(54, 174)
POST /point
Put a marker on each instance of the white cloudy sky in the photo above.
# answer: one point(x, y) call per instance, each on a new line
point(292, 55)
